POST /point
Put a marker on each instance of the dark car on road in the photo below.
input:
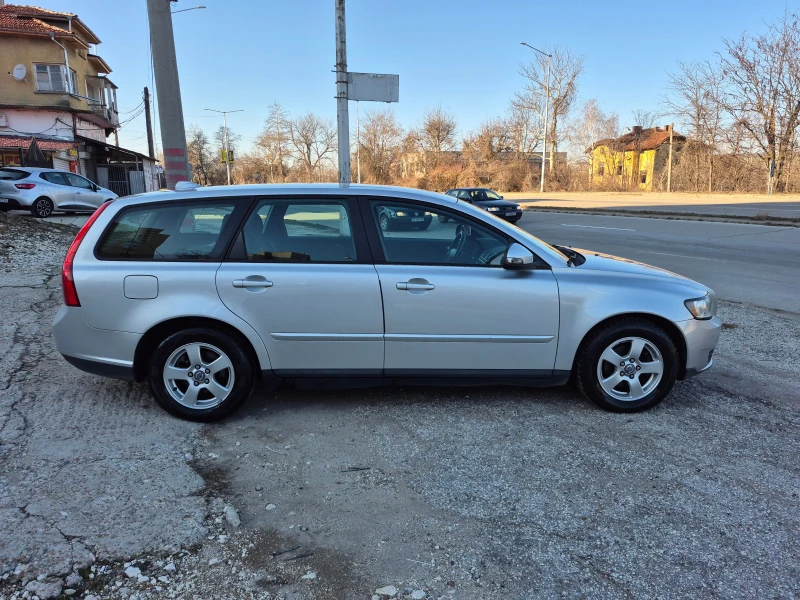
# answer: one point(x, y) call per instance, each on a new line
point(393, 220)
point(489, 201)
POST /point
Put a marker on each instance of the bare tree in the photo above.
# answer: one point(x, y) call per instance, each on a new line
point(763, 77)
point(273, 141)
point(381, 145)
point(644, 118)
point(565, 69)
point(525, 129)
point(490, 139)
point(314, 141)
point(697, 100)
point(201, 156)
point(590, 126)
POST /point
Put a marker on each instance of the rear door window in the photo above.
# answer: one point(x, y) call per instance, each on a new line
point(13, 174)
point(57, 178)
point(284, 230)
point(171, 231)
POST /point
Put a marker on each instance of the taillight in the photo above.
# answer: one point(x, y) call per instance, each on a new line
point(67, 280)
point(24, 186)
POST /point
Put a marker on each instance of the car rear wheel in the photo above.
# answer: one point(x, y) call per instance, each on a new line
point(628, 366)
point(42, 207)
point(422, 226)
point(200, 375)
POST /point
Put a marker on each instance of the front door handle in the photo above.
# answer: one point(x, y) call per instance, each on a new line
point(78, 193)
point(412, 285)
point(251, 283)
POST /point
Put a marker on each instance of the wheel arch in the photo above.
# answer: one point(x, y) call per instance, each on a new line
point(156, 334)
point(672, 330)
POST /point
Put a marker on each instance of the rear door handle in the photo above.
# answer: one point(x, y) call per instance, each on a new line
point(410, 286)
point(251, 283)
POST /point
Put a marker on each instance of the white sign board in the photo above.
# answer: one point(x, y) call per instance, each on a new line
point(373, 87)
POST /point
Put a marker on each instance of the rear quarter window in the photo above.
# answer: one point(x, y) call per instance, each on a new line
point(13, 174)
point(170, 232)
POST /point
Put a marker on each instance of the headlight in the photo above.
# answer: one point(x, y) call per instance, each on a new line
point(701, 308)
point(519, 207)
point(400, 213)
point(493, 209)
point(428, 214)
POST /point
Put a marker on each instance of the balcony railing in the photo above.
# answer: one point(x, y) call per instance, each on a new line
point(100, 109)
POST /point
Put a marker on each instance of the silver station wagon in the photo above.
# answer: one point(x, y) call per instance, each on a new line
point(204, 291)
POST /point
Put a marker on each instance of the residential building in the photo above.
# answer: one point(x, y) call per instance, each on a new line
point(636, 159)
point(55, 89)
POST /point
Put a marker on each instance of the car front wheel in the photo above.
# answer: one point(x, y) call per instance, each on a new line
point(200, 375)
point(629, 365)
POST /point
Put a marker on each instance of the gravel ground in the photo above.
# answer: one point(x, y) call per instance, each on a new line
point(404, 493)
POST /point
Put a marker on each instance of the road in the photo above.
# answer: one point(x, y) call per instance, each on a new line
point(755, 264)
point(744, 205)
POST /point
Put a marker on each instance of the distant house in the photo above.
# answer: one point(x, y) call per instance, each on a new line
point(54, 88)
point(635, 159)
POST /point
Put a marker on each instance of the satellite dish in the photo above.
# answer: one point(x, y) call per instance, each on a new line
point(19, 72)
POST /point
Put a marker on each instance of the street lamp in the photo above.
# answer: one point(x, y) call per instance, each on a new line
point(227, 148)
point(174, 12)
point(546, 107)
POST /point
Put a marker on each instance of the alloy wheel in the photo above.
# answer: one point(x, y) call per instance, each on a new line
point(44, 208)
point(630, 368)
point(199, 376)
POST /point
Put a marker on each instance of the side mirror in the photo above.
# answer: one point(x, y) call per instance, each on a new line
point(95, 187)
point(517, 257)
point(501, 197)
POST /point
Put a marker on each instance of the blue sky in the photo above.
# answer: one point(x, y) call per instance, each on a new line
point(463, 55)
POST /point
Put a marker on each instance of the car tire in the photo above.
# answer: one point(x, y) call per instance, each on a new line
point(443, 219)
point(423, 226)
point(612, 354)
point(212, 396)
point(512, 221)
point(42, 207)
point(386, 222)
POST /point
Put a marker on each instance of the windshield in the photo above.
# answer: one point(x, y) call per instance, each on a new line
point(483, 195)
point(12, 174)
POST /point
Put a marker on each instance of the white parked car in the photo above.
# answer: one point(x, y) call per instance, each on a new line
point(43, 191)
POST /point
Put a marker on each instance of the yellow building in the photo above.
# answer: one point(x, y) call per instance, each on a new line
point(634, 160)
point(54, 88)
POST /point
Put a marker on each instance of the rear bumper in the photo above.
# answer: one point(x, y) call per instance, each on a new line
point(97, 351)
point(701, 341)
point(11, 204)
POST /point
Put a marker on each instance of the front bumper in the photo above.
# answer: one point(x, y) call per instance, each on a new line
point(507, 215)
point(97, 351)
point(701, 341)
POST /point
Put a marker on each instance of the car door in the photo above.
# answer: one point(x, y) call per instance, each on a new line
point(300, 273)
point(85, 194)
point(451, 309)
point(62, 193)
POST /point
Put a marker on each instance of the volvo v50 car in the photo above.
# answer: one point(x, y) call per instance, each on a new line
point(202, 293)
point(43, 191)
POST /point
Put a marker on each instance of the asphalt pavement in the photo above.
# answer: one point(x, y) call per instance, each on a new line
point(754, 264)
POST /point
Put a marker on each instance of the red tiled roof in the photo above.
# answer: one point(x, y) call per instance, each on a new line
point(9, 22)
point(23, 142)
point(15, 18)
point(648, 139)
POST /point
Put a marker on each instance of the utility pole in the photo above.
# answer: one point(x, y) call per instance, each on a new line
point(225, 140)
point(546, 115)
point(669, 160)
point(170, 108)
point(149, 123)
point(342, 116)
point(358, 144)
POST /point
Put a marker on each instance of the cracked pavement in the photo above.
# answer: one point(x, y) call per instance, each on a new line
point(470, 493)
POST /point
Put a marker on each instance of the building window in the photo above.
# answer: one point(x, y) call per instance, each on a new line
point(619, 169)
point(643, 176)
point(52, 78)
point(601, 169)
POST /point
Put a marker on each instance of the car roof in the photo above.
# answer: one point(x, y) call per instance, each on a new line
point(293, 189)
point(36, 169)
